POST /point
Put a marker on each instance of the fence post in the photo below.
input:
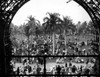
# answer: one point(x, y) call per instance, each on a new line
point(44, 66)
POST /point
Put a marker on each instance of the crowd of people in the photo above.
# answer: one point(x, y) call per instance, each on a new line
point(79, 48)
point(43, 46)
point(71, 68)
point(27, 68)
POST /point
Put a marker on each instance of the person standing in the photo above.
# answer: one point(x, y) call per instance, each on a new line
point(18, 71)
point(38, 70)
point(58, 69)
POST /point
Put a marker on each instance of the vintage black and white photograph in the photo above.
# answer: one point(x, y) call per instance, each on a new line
point(49, 38)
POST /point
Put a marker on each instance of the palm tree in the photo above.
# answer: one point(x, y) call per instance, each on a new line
point(67, 25)
point(31, 27)
point(52, 24)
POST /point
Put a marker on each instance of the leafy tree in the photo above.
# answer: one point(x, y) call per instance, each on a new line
point(90, 28)
point(13, 29)
point(68, 25)
point(31, 29)
point(87, 28)
point(31, 26)
point(21, 29)
point(52, 25)
point(82, 28)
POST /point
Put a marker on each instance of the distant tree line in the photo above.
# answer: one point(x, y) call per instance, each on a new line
point(52, 24)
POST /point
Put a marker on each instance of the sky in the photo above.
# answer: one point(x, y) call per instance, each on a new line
point(39, 8)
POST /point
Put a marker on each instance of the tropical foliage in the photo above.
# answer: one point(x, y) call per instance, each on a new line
point(52, 25)
point(68, 25)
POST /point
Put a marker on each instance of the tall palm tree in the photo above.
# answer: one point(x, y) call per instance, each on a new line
point(52, 24)
point(31, 28)
point(67, 25)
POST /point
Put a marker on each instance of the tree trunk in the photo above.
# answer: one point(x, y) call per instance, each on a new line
point(65, 38)
point(28, 48)
point(99, 40)
point(53, 37)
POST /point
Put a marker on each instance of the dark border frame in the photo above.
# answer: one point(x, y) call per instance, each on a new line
point(7, 16)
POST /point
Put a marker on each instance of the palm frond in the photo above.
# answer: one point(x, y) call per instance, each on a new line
point(46, 19)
